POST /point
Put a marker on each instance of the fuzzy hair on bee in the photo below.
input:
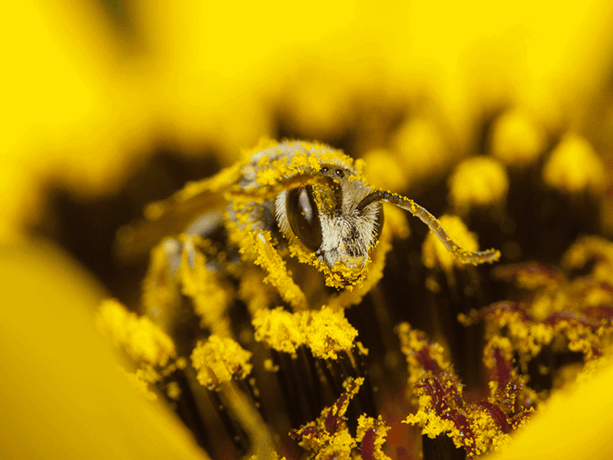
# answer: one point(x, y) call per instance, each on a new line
point(308, 198)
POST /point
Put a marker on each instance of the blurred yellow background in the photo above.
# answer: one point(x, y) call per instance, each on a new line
point(90, 86)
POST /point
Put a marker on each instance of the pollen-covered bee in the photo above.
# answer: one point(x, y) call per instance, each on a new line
point(305, 199)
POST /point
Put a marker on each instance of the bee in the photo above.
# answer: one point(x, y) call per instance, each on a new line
point(305, 198)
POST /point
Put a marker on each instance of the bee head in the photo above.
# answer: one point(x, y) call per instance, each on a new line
point(332, 222)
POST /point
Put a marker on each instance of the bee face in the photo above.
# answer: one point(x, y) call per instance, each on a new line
point(328, 222)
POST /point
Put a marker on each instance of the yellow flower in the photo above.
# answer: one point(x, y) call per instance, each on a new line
point(108, 106)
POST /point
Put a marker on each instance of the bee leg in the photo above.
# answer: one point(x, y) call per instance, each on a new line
point(259, 246)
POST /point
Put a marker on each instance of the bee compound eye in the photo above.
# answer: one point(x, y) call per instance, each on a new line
point(303, 216)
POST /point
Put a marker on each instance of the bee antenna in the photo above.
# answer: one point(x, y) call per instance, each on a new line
point(379, 195)
point(476, 257)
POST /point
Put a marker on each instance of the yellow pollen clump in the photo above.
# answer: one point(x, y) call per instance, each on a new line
point(143, 340)
point(530, 339)
point(412, 342)
point(278, 329)
point(326, 332)
point(516, 140)
point(478, 181)
point(271, 172)
point(575, 167)
point(259, 246)
point(218, 360)
point(535, 279)
point(591, 247)
point(435, 254)
point(342, 277)
point(379, 428)
point(173, 391)
point(328, 435)
point(488, 437)
point(141, 381)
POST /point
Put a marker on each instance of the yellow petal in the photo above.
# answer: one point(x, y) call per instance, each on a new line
point(62, 395)
point(573, 425)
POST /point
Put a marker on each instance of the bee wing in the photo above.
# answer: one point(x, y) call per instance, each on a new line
point(175, 214)
point(196, 200)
